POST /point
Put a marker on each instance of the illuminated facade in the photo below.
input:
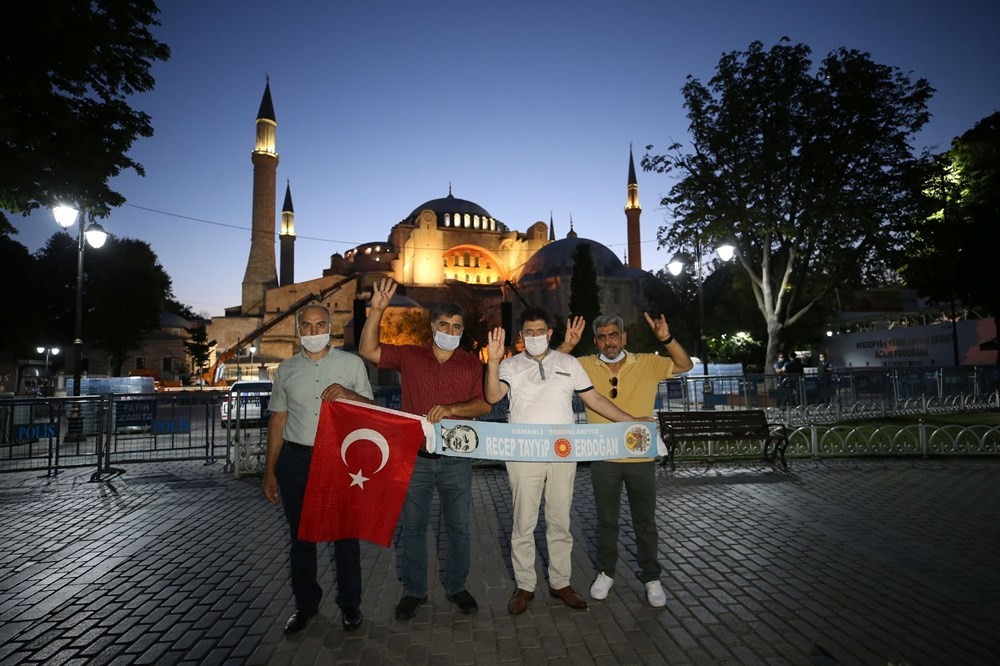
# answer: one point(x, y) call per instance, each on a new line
point(442, 243)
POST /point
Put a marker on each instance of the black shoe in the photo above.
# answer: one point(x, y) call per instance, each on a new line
point(352, 618)
point(466, 602)
point(297, 620)
point(407, 607)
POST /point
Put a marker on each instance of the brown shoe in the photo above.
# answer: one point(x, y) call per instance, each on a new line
point(519, 602)
point(569, 597)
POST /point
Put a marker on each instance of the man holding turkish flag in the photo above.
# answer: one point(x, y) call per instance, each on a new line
point(362, 461)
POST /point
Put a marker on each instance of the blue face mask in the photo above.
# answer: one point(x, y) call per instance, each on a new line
point(446, 341)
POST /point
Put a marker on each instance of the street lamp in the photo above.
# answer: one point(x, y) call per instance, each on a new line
point(95, 235)
point(47, 350)
point(676, 265)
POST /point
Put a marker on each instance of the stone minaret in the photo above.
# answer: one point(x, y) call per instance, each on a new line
point(632, 212)
point(261, 273)
point(552, 228)
point(286, 239)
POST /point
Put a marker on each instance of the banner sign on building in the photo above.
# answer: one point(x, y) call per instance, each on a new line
point(546, 442)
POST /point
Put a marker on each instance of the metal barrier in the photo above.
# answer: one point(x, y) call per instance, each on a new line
point(107, 431)
point(49, 434)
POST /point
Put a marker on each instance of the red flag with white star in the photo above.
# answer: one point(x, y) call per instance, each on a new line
point(360, 470)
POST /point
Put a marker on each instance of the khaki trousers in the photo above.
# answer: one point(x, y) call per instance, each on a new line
point(528, 482)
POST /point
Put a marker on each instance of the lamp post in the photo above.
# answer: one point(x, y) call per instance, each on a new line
point(47, 350)
point(675, 267)
point(95, 235)
point(252, 349)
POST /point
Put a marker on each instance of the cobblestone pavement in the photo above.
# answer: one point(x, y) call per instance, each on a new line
point(849, 561)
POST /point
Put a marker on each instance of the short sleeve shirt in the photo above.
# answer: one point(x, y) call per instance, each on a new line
point(299, 384)
point(542, 391)
point(638, 378)
point(428, 382)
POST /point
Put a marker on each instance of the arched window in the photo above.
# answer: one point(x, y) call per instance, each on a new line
point(477, 279)
point(447, 219)
point(468, 220)
point(475, 221)
point(488, 265)
point(466, 277)
point(466, 259)
point(446, 261)
point(476, 259)
point(454, 260)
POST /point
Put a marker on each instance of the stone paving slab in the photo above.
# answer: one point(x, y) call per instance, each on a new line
point(845, 561)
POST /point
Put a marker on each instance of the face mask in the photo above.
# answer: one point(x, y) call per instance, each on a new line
point(445, 341)
point(536, 345)
point(315, 343)
point(620, 356)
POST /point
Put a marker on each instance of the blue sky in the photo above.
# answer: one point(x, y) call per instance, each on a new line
point(524, 107)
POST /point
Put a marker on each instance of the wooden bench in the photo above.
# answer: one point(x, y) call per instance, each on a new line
point(723, 425)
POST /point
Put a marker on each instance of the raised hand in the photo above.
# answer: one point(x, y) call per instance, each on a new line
point(574, 331)
point(382, 293)
point(658, 326)
point(495, 344)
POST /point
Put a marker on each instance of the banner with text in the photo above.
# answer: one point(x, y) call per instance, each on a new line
point(546, 442)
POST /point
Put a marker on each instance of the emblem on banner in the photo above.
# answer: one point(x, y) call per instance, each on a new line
point(638, 439)
point(563, 448)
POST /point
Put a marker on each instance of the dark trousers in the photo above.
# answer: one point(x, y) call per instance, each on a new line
point(292, 472)
point(639, 480)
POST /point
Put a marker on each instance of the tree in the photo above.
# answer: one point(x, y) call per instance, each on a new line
point(24, 330)
point(199, 347)
point(810, 175)
point(128, 292)
point(950, 254)
point(584, 297)
point(124, 291)
point(66, 74)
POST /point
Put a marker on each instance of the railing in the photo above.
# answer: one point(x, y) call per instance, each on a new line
point(49, 434)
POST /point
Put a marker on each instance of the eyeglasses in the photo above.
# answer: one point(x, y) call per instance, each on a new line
point(614, 387)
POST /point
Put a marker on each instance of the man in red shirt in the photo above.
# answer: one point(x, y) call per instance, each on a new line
point(441, 382)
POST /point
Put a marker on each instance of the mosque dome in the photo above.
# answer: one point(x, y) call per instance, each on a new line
point(454, 212)
point(556, 260)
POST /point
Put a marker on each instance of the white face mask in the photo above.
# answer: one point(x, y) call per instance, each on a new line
point(315, 343)
point(536, 345)
point(620, 356)
point(446, 341)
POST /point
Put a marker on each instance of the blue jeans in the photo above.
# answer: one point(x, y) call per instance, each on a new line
point(453, 479)
point(292, 471)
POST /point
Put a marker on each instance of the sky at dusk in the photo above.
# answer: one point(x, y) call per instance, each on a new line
point(524, 107)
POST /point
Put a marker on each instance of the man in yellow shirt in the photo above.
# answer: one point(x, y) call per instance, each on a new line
point(630, 381)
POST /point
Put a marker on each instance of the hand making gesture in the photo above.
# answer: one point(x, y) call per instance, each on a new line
point(658, 326)
point(574, 331)
point(495, 344)
point(382, 293)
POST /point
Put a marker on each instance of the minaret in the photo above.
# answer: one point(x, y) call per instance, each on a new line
point(261, 273)
point(632, 212)
point(552, 228)
point(286, 239)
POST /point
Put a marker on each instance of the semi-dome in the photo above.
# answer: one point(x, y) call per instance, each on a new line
point(454, 212)
point(556, 260)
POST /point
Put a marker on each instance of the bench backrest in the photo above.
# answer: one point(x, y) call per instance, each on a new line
point(708, 423)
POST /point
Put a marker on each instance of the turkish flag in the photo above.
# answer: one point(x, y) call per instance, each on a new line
point(360, 470)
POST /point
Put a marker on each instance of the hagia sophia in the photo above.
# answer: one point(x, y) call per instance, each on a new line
point(445, 249)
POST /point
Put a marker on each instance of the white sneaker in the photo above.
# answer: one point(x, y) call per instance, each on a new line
point(599, 590)
point(655, 595)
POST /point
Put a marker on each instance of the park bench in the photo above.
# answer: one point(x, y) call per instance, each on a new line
point(723, 426)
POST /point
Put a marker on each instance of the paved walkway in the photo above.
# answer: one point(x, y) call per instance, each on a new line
point(850, 562)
